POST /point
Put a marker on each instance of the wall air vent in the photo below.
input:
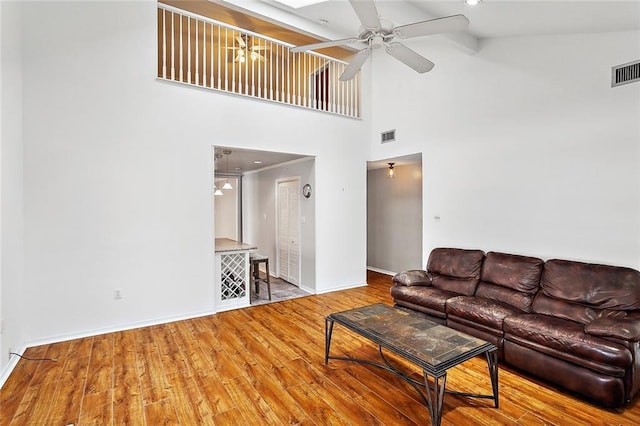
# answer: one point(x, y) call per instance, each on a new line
point(388, 136)
point(625, 73)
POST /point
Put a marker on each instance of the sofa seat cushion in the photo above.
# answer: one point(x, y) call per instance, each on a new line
point(480, 310)
point(519, 300)
point(430, 297)
point(567, 340)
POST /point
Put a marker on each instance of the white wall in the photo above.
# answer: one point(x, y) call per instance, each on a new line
point(394, 219)
point(11, 194)
point(260, 216)
point(118, 174)
point(526, 147)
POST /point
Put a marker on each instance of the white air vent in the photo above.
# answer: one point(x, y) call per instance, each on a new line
point(388, 136)
point(625, 73)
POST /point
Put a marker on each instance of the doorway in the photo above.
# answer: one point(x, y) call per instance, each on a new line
point(394, 214)
point(256, 175)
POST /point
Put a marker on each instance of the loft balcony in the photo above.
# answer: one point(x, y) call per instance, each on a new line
point(199, 51)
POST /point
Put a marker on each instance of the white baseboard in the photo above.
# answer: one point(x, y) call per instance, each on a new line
point(116, 328)
point(346, 287)
point(381, 271)
point(6, 372)
point(307, 289)
point(13, 361)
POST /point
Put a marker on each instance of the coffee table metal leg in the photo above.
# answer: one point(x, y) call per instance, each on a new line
point(328, 329)
point(435, 396)
point(492, 363)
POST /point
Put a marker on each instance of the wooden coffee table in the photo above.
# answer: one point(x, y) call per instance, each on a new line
point(433, 347)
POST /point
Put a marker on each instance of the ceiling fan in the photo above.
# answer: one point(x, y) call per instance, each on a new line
point(243, 49)
point(376, 32)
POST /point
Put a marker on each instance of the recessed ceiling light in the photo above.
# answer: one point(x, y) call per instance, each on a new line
point(472, 2)
point(257, 162)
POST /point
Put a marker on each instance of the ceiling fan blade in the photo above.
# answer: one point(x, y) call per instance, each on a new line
point(367, 13)
point(409, 57)
point(241, 42)
point(324, 44)
point(433, 26)
point(356, 63)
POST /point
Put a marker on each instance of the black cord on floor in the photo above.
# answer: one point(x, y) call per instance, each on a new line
point(33, 359)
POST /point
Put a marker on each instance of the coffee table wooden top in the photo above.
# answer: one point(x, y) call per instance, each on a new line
point(430, 345)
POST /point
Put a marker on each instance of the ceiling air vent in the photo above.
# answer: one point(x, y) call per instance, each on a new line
point(625, 73)
point(388, 136)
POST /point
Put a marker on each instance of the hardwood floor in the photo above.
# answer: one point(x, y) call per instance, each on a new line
point(262, 365)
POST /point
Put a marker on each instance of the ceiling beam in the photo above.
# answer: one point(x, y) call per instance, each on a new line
point(462, 39)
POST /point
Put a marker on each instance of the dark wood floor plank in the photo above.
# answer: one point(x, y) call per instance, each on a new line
point(222, 362)
point(65, 406)
point(100, 373)
point(316, 407)
point(161, 413)
point(127, 405)
point(153, 382)
point(97, 409)
point(14, 389)
point(254, 409)
point(281, 403)
point(191, 407)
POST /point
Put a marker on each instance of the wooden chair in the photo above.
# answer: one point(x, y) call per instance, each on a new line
point(255, 259)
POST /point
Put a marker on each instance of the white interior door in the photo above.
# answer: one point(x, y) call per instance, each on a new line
point(289, 231)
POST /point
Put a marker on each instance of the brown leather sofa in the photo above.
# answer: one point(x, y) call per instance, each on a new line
point(573, 324)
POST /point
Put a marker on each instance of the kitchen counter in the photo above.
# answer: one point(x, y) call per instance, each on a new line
point(227, 244)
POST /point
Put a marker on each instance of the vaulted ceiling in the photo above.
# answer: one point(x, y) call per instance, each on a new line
point(491, 18)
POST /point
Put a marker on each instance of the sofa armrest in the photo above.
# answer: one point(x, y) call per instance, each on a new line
point(620, 328)
point(413, 277)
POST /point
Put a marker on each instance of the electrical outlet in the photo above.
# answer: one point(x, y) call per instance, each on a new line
point(10, 352)
point(117, 293)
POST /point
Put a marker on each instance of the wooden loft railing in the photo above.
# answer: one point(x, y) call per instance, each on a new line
point(199, 51)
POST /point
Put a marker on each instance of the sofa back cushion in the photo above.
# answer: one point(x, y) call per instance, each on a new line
point(455, 270)
point(510, 279)
point(595, 286)
point(520, 273)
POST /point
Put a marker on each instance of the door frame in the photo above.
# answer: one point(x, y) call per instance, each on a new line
point(277, 227)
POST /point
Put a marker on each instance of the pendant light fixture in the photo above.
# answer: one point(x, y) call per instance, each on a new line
point(391, 173)
point(216, 190)
point(227, 185)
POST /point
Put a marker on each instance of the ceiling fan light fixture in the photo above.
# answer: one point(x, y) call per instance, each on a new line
point(376, 32)
point(377, 42)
